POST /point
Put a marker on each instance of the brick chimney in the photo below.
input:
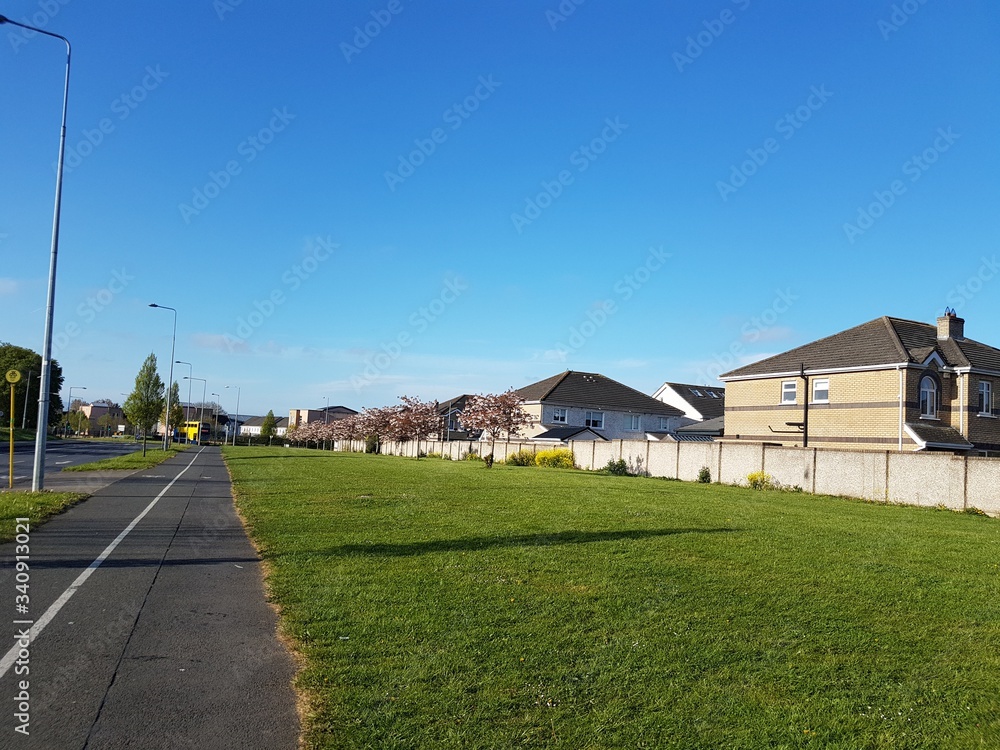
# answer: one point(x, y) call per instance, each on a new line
point(950, 326)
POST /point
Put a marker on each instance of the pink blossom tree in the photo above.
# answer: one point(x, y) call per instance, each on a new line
point(496, 414)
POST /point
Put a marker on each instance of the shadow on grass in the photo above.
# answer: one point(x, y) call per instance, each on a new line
point(410, 549)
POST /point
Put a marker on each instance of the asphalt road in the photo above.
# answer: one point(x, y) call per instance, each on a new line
point(58, 455)
point(166, 643)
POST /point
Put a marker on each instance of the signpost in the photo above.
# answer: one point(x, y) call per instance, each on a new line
point(13, 376)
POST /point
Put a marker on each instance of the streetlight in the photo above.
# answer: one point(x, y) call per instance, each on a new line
point(326, 413)
point(218, 396)
point(204, 386)
point(71, 389)
point(170, 384)
point(236, 424)
point(41, 434)
point(188, 378)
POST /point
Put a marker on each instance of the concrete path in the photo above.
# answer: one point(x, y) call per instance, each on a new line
point(166, 643)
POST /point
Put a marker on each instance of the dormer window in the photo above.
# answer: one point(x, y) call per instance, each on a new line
point(928, 398)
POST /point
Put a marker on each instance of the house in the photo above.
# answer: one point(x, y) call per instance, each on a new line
point(299, 417)
point(451, 414)
point(105, 417)
point(888, 384)
point(698, 402)
point(253, 424)
point(608, 408)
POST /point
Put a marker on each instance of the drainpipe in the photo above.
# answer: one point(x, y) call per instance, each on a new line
point(805, 407)
point(961, 405)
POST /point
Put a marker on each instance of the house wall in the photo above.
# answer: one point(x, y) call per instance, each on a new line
point(615, 422)
point(926, 479)
point(862, 413)
point(983, 429)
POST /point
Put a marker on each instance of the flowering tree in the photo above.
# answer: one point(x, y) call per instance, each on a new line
point(495, 414)
point(374, 425)
point(415, 419)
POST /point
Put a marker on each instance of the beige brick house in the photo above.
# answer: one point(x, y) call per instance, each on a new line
point(889, 384)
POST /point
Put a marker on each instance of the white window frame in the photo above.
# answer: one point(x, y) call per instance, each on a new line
point(664, 423)
point(560, 415)
point(634, 422)
point(594, 420)
point(786, 391)
point(985, 398)
point(826, 387)
point(932, 412)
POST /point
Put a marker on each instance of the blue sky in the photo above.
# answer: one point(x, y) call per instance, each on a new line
point(368, 199)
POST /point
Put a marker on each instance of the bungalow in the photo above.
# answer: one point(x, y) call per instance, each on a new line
point(888, 384)
point(608, 408)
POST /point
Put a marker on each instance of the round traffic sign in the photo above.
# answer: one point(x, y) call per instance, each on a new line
point(13, 376)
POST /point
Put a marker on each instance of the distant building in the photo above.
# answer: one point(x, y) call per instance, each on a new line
point(299, 417)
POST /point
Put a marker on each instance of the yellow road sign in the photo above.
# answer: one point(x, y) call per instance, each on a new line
point(13, 376)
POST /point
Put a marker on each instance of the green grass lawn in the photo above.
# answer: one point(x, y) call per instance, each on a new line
point(19, 434)
point(154, 455)
point(36, 506)
point(439, 604)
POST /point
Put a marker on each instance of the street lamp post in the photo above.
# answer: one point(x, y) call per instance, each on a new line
point(326, 414)
point(170, 382)
point(69, 405)
point(236, 424)
point(204, 387)
point(188, 378)
point(218, 396)
point(41, 434)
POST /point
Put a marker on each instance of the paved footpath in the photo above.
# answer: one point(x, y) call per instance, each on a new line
point(165, 641)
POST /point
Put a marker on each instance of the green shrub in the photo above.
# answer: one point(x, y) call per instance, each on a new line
point(523, 457)
point(760, 480)
point(488, 460)
point(371, 444)
point(556, 458)
point(616, 468)
point(471, 456)
point(433, 454)
point(705, 475)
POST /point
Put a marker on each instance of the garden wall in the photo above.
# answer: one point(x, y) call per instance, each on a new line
point(926, 479)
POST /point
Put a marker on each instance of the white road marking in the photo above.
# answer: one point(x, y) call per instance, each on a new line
point(11, 656)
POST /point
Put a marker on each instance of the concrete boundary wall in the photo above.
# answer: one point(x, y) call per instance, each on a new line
point(925, 479)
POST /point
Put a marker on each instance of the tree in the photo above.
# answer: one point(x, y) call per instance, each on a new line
point(415, 420)
point(269, 426)
point(145, 404)
point(496, 413)
point(26, 392)
point(176, 411)
point(106, 422)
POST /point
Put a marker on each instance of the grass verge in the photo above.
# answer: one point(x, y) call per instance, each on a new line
point(134, 460)
point(438, 604)
point(38, 507)
point(19, 434)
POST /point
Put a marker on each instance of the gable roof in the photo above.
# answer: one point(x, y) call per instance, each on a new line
point(699, 399)
point(594, 391)
point(879, 342)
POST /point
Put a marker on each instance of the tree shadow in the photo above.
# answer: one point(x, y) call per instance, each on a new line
point(411, 549)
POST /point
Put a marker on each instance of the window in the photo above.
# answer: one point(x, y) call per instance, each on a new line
point(634, 422)
point(595, 419)
point(695, 391)
point(664, 423)
point(985, 397)
point(788, 391)
point(821, 391)
point(928, 397)
point(559, 415)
